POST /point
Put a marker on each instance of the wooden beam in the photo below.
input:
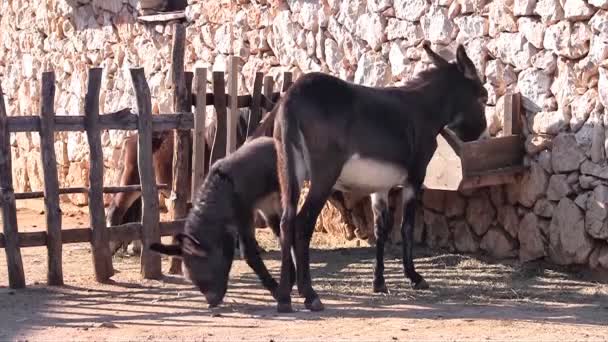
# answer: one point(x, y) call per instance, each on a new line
point(233, 112)
point(102, 257)
point(198, 136)
point(51, 180)
point(16, 276)
point(162, 17)
point(255, 113)
point(123, 120)
point(268, 94)
point(507, 127)
point(83, 190)
point(181, 147)
point(124, 232)
point(150, 261)
point(287, 81)
point(218, 150)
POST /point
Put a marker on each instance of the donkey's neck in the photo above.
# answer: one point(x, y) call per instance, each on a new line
point(435, 101)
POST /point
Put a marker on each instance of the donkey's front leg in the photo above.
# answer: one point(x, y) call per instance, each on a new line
point(407, 235)
point(383, 222)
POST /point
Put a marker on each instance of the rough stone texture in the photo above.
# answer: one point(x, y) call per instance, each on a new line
point(531, 241)
point(464, 239)
point(553, 52)
point(568, 241)
point(434, 199)
point(596, 216)
point(558, 187)
point(498, 244)
point(566, 154)
point(480, 214)
point(533, 185)
point(437, 231)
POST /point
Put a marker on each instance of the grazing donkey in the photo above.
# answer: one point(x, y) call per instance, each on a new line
point(362, 139)
point(126, 206)
point(238, 186)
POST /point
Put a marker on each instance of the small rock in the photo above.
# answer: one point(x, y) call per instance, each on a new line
point(434, 199)
point(558, 187)
point(567, 39)
point(524, 7)
point(480, 214)
point(533, 185)
point(411, 33)
point(507, 217)
point(533, 30)
point(578, 10)
point(473, 26)
point(410, 10)
point(582, 106)
point(599, 3)
point(464, 240)
point(550, 11)
point(581, 200)
point(437, 27)
point(370, 27)
point(535, 88)
point(531, 240)
point(372, 70)
point(567, 156)
point(568, 241)
point(544, 208)
point(596, 216)
point(497, 243)
point(593, 169)
point(537, 143)
point(107, 325)
point(497, 196)
point(455, 204)
point(544, 159)
point(437, 231)
point(602, 86)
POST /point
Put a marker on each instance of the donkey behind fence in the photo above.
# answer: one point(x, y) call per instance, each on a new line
point(354, 138)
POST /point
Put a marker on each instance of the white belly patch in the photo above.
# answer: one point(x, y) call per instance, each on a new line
point(369, 175)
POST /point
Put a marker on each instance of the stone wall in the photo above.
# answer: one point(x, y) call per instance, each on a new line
point(553, 52)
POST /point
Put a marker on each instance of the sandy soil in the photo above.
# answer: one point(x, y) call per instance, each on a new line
point(470, 298)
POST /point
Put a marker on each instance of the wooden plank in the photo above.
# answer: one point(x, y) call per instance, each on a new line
point(198, 136)
point(255, 113)
point(516, 127)
point(507, 127)
point(506, 175)
point(181, 147)
point(124, 232)
point(218, 150)
point(244, 101)
point(83, 190)
point(16, 276)
point(123, 119)
point(150, 262)
point(287, 81)
point(100, 247)
point(268, 86)
point(51, 180)
point(495, 153)
point(233, 113)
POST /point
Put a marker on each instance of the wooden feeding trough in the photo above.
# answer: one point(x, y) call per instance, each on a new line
point(459, 165)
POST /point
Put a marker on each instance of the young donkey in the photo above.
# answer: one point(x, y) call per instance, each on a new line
point(353, 138)
point(236, 187)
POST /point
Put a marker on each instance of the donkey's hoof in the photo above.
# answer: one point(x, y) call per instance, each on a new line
point(284, 308)
point(381, 288)
point(315, 305)
point(421, 285)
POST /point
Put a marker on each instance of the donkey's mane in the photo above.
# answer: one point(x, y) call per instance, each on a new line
point(430, 78)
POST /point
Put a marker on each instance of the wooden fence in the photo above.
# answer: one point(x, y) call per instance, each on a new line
point(183, 121)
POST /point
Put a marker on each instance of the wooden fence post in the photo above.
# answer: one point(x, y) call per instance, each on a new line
point(233, 113)
point(51, 180)
point(150, 216)
point(102, 258)
point(16, 276)
point(255, 113)
point(198, 136)
point(287, 80)
point(218, 150)
point(182, 102)
point(268, 87)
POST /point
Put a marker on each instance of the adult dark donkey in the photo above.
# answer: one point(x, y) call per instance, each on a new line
point(361, 139)
point(238, 186)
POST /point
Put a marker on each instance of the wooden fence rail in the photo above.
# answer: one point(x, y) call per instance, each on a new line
point(184, 121)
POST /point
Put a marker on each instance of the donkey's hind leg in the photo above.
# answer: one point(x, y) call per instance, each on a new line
point(321, 186)
point(274, 222)
point(383, 222)
point(407, 235)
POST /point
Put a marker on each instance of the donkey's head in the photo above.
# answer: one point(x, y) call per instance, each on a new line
point(466, 97)
point(207, 265)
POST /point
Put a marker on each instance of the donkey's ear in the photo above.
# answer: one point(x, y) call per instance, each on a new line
point(465, 64)
point(190, 245)
point(173, 250)
point(434, 57)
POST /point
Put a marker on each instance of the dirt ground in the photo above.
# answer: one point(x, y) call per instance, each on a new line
point(470, 298)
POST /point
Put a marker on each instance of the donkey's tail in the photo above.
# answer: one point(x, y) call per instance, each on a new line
point(289, 157)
